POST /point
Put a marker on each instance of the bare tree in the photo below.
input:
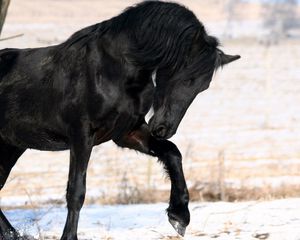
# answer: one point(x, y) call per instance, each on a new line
point(3, 10)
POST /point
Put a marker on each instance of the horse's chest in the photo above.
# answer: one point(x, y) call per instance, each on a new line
point(121, 112)
point(114, 127)
point(117, 122)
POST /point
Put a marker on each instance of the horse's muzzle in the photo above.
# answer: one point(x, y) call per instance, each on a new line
point(161, 131)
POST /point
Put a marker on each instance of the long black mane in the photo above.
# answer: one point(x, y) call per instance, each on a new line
point(161, 35)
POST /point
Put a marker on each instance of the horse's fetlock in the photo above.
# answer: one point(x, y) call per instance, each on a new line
point(180, 214)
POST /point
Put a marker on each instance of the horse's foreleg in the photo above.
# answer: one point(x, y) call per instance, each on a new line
point(80, 150)
point(178, 213)
point(169, 155)
point(8, 157)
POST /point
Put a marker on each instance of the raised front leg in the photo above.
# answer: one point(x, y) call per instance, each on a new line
point(178, 212)
point(80, 150)
point(169, 155)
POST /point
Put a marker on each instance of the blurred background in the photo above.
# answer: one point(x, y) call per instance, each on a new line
point(240, 139)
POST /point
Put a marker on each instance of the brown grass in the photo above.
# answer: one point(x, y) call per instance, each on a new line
point(207, 194)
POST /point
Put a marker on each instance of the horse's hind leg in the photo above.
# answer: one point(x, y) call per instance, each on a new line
point(167, 152)
point(8, 157)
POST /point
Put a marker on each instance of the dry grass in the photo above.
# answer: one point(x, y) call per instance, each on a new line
point(207, 194)
point(245, 194)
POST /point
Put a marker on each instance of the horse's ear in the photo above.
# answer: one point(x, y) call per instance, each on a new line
point(224, 59)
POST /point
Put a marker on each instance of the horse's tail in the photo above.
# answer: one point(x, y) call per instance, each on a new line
point(7, 60)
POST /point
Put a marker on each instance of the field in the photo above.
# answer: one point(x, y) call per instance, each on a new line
point(274, 220)
point(239, 139)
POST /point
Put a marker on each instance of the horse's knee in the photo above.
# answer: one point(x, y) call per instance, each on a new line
point(166, 150)
point(174, 152)
point(75, 195)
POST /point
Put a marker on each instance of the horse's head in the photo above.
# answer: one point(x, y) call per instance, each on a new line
point(175, 92)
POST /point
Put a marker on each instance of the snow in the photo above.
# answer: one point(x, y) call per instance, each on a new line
point(277, 219)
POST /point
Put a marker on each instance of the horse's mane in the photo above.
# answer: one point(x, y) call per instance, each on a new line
point(79, 39)
point(161, 34)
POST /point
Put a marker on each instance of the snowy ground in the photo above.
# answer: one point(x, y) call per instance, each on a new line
point(276, 220)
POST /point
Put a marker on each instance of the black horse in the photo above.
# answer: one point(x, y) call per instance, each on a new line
point(97, 86)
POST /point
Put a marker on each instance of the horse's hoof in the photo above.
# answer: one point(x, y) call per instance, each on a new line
point(179, 228)
point(179, 219)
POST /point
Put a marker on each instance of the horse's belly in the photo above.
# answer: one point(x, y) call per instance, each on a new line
point(35, 138)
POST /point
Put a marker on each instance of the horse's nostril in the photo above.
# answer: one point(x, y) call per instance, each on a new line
point(160, 131)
